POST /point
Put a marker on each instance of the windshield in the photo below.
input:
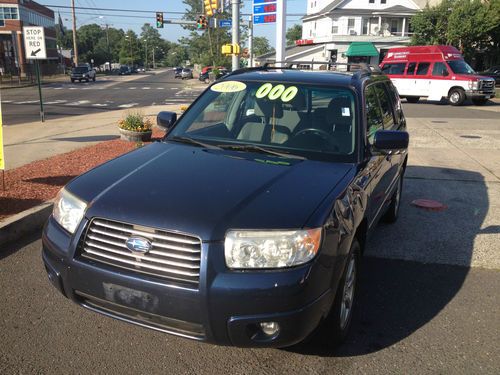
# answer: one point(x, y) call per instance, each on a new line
point(316, 122)
point(460, 67)
point(80, 69)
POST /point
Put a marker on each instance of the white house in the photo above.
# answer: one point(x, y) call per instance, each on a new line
point(353, 30)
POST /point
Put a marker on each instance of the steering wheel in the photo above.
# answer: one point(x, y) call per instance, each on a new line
point(327, 138)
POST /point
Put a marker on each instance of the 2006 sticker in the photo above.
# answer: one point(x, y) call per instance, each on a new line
point(278, 91)
point(228, 86)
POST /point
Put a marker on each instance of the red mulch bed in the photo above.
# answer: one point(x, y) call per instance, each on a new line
point(37, 182)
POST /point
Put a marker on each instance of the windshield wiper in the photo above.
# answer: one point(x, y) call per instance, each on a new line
point(262, 150)
point(192, 141)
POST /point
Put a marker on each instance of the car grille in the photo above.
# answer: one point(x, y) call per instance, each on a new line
point(172, 256)
point(488, 86)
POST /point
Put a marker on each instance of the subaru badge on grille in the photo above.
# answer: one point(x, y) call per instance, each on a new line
point(138, 245)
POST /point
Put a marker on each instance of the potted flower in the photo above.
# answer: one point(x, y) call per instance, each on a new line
point(135, 127)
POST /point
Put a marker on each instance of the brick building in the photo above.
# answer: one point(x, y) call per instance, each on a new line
point(14, 14)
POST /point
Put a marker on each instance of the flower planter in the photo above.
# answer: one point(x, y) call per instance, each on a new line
point(131, 136)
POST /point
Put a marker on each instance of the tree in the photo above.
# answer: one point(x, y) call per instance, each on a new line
point(261, 46)
point(470, 25)
point(130, 52)
point(292, 34)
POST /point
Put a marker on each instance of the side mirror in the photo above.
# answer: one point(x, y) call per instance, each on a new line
point(445, 73)
point(391, 140)
point(166, 119)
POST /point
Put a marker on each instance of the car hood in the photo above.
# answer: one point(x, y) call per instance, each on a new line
point(206, 192)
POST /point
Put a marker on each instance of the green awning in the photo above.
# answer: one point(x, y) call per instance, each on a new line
point(361, 49)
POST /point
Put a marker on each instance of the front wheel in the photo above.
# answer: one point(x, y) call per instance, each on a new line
point(339, 320)
point(93, 79)
point(479, 101)
point(412, 99)
point(456, 96)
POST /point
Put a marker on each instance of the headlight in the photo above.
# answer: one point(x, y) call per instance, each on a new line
point(68, 210)
point(270, 249)
point(474, 85)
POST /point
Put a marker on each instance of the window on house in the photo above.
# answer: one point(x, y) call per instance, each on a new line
point(383, 1)
point(394, 26)
point(371, 1)
point(335, 27)
point(350, 23)
point(365, 26)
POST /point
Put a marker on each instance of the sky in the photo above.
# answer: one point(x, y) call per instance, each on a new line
point(134, 21)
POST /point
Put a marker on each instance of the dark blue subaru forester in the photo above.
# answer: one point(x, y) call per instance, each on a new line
point(245, 224)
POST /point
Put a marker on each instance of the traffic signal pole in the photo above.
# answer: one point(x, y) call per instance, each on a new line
point(236, 31)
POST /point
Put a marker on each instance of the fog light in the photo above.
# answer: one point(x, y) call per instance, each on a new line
point(270, 328)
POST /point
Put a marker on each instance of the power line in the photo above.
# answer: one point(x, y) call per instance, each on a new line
point(147, 11)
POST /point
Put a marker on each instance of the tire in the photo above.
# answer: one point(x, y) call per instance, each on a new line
point(412, 99)
point(207, 80)
point(456, 96)
point(479, 101)
point(93, 79)
point(391, 215)
point(338, 322)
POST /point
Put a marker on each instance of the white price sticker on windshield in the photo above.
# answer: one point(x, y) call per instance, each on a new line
point(346, 112)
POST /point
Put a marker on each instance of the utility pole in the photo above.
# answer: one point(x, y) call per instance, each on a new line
point(280, 30)
point(146, 63)
point(236, 31)
point(75, 47)
point(250, 42)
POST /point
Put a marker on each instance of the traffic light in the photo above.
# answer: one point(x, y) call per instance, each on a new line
point(210, 7)
point(159, 20)
point(230, 49)
point(201, 23)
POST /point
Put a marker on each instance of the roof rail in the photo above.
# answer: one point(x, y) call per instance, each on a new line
point(361, 69)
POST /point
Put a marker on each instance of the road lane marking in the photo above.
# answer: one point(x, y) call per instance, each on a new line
point(56, 102)
point(79, 102)
point(6, 101)
point(146, 88)
point(160, 88)
point(100, 105)
point(28, 102)
point(132, 88)
point(129, 105)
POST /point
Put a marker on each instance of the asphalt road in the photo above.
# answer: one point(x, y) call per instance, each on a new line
point(21, 105)
point(413, 318)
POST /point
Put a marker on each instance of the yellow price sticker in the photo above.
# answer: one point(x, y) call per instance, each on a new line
point(276, 92)
point(228, 86)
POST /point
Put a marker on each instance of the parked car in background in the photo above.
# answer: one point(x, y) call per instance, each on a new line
point(186, 73)
point(83, 73)
point(493, 72)
point(436, 72)
point(178, 72)
point(205, 77)
point(124, 70)
point(252, 216)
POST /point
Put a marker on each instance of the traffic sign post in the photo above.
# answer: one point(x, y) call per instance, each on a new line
point(34, 46)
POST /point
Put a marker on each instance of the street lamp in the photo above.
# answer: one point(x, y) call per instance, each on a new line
point(146, 46)
point(130, 48)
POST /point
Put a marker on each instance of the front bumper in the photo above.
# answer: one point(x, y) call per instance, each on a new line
point(226, 308)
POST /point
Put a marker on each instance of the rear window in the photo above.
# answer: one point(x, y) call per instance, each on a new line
point(80, 69)
point(423, 68)
point(395, 68)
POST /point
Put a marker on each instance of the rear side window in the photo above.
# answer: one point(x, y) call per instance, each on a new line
point(396, 68)
point(411, 69)
point(439, 69)
point(422, 69)
point(374, 120)
point(385, 105)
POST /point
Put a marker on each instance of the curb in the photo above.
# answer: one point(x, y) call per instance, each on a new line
point(19, 225)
